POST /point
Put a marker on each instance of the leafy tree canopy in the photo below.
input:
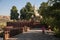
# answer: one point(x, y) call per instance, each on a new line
point(14, 13)
point(50, 14)
point(27, 11)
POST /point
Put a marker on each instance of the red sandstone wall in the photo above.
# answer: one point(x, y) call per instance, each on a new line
point(19, 24)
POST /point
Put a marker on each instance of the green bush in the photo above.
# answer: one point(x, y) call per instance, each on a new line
point(57, 32)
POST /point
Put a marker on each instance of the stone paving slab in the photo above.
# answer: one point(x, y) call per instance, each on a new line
point(1, 38)
point(35, 35)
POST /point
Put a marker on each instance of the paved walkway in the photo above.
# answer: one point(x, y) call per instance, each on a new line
point(35, 35)
point(1, 38)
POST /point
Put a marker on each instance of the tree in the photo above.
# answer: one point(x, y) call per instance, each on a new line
point(27, 11)
point(47, 13)
point(23, 13)
point(51, 2)
point(29, 7)
point(51, 15)
point(14, 13)
point(43, 7)
point(43, 11)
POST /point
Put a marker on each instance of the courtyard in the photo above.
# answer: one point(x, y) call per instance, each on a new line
point(34, 34)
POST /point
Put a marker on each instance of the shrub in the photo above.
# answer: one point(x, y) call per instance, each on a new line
point(57, 32)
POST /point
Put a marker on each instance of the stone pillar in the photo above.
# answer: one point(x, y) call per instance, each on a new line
point(25, 28)
point(49, 28)
point(28, 28)
point(6, 35)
